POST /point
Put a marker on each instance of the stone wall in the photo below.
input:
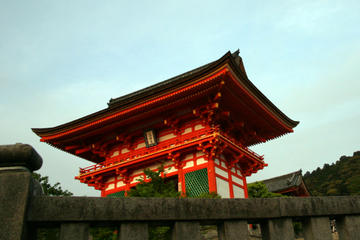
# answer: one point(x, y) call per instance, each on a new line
point(22, 211)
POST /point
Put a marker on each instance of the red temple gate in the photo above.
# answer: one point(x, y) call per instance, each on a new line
point(197, 125)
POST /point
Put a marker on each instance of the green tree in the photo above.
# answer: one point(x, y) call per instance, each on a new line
point(157, 186)
point(339, 178)
point(51, 190)
point(259, 190)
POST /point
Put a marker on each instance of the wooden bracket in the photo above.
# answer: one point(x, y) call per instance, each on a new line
point(175, 124)
point(176, 158)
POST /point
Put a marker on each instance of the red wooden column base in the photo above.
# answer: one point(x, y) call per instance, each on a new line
point(211, 176)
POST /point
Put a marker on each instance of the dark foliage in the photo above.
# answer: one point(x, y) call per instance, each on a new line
point(156, 187)
point(339, 178)
point(259, 190)
point(51, 190)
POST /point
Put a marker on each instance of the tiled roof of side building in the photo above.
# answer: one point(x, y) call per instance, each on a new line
point(283, 182)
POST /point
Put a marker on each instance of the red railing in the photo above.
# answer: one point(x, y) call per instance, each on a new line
point(173, 142)
point(167, 144)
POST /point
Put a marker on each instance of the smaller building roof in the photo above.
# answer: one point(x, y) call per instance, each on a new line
point(290, 182)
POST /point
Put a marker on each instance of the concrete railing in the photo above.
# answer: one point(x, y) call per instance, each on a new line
point(23, 210)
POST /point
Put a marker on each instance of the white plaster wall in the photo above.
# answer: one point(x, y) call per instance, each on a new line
point(222, 163)
point(199, 154)
point(137, 179)
point(200, 161)
point(198, 126)
point(124, 150)
point(111, 186)
point(187, 130)
point(116, 153)
point(238, 192)
point(189, 164)
point(221, 172)
point(170, 170)
point(120, 184)
point(237, 180)
point(222, 188)
point(140, 145)
point(166, 137)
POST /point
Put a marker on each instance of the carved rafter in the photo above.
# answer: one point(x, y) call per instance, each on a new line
point(176, 158)
point(124, 174)
point(233, 159)
point(127, 140)
point(207, 112)
point(175, 124)
point(212, 149)
point(252, 135)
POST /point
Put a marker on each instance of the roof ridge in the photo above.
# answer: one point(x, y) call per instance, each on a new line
point(284, 175)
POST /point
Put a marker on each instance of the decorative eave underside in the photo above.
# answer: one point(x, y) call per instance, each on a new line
point(231, 64)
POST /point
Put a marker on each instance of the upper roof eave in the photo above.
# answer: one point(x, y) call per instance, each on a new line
point(136, 97)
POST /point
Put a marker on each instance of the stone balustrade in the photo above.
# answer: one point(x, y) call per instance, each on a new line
point(23, 209)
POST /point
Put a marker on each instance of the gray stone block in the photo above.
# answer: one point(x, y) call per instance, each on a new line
point(20, 155)
point(14, 195)
point(317, 228)
point(349, 227)
point(278, 229)
point(134, 231)
point(186, 230)
point(234, 230)
point(74, 231)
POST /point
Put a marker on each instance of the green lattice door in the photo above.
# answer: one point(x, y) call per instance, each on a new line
point(196, 182)
point(117, 194)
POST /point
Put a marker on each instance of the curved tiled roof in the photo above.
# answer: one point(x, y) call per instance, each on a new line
point(140, 96)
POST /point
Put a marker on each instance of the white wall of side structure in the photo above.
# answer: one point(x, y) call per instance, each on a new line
point(229, 180)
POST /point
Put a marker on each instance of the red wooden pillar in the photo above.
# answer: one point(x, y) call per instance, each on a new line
point(181, 180)
point(127, 184)
point(231, 189)
point(245, 186)
point(211, 175)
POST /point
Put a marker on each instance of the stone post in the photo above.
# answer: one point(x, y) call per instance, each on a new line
point(278, 229)
point(317, 228)
point(16, 187)
point(348, 227)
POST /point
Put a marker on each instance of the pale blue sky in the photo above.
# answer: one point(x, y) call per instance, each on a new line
point(61, 60)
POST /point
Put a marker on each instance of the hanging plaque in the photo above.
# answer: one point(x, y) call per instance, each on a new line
point(150, 138)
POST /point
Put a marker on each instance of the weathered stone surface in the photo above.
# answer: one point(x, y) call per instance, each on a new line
point(134, 231)
point(74, 231)
point(349, 227)
point(186, 230)
point(20, 155)
point(317, 228)
point(234, 230)
point(278, 229)
point(143, 209)
point(14, 194)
